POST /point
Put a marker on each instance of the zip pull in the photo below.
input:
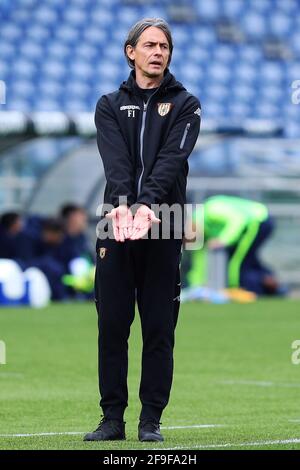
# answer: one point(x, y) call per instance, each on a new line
point(187, 127)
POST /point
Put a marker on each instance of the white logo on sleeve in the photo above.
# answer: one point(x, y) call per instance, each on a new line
point(198, 112)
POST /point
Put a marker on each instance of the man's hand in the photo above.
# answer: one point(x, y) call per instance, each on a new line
point(143, 220)
point(122, 220)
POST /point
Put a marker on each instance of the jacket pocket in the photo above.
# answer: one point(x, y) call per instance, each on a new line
point(186, 130)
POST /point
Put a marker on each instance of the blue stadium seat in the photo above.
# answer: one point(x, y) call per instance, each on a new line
point(254, 24)
point(208, 10)
point(244, 72)
point(204, 36)
point(238, 109)
point(280, 24)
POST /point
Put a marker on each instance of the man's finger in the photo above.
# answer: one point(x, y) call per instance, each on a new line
point(154, 219)
point(140, 231)
point(135, 233)
point(140, 234)
point(112, 214)
point(121, 235)
point(116, 232)
point(129, 231)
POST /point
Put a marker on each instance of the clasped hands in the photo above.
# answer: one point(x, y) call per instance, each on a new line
point(126, 226)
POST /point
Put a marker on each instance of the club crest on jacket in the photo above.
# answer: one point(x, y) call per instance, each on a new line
point(164, 108)
point(102, 252)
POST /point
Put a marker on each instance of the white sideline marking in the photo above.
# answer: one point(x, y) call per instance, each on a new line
point(194, 426)
point(259, 383)
point(204, 446)
point(231, 444)
point(76, 433)
point(44, 434)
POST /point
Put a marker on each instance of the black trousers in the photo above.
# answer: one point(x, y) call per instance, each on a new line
point(252, 269)
point(146, 271)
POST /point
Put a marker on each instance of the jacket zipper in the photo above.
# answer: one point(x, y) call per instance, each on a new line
point(142, 145)
point(142, 140)
point(187, 127)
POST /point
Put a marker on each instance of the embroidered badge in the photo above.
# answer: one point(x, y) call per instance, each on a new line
point(102, 252)
point(130, 108)
point(164, 108)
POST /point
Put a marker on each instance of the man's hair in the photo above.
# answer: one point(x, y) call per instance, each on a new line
point(8, 219)
point(67, 209)
point(139, 27)
point(53, 225)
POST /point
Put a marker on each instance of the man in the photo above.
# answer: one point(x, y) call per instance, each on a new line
point(80, 255)
point(240, 227)
point(15, 240)
point(145, 132)
point(74, 219)
point(51, 258)
point(43, 250)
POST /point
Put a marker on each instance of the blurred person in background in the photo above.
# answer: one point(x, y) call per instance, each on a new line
point(52, 245)
point(52, 237)
point(77, 248)
point(16, 243)
point(51, 258)
point(43, 250)
point(76, 241)
point(240, 227)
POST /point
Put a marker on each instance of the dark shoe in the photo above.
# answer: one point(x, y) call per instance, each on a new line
point(108, 430)
point(149, 431)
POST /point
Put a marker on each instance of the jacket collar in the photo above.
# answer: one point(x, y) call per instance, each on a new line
point(168, 83)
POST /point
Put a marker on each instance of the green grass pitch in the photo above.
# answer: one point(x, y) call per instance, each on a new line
point(233, 370)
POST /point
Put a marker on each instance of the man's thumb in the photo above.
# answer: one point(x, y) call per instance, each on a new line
point(111, 214)
point(153, 218)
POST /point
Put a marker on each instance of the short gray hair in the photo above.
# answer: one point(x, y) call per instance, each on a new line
point(139, 27)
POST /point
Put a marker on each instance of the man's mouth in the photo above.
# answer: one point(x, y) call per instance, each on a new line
point(156, 63)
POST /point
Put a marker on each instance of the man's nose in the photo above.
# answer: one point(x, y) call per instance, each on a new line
point(158, 50)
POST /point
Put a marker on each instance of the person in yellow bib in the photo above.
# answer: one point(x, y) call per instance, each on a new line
point(240, 227)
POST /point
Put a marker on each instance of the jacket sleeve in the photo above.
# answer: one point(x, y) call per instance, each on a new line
point(118, 166)
point(172, 156)
point(218, 213)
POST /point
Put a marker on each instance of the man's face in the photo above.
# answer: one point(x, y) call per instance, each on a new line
point(16, 227)
point(151, 54)
point(76, 222)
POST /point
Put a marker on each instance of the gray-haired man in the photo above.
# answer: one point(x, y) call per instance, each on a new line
point(145, 132)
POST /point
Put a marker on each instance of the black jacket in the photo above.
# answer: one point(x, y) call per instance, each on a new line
point(144, 148)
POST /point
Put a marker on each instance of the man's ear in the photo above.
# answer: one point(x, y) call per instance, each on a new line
point(130, 52)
